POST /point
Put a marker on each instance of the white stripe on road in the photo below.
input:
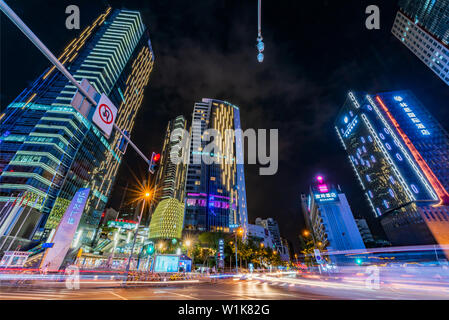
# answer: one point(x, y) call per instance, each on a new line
point(184, 295)
point(117, 295)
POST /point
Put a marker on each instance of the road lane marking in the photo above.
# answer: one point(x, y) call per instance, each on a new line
point(184, 295)
point(117, 295)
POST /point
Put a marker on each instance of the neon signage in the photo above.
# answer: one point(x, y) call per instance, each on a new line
point(413, 118)
point(350, 126)
point(323, 188)
point(329, 196)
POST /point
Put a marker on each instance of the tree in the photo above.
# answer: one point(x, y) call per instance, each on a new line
point(307, 247)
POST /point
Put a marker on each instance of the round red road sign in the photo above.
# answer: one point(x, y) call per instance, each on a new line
point(106, 114)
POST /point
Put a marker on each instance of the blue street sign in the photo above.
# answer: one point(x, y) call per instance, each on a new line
point(47, 245)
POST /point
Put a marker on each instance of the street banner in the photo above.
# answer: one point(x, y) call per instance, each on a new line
point(65, 232)
point(105, 115)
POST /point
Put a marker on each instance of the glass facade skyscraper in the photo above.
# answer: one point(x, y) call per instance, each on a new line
point(215, 193)
point(431, 15)
point(50, 150)
point(423, 27)
point(400, 155)
point(170, 177)
point(168, 217)
point(329, 216)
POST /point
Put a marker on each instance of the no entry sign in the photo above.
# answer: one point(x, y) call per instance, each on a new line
point(105, 114)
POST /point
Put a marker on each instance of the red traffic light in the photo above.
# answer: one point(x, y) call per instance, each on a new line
point(156, 157)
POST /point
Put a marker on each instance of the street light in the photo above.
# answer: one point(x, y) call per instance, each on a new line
point(145, 196)
point(239, 231)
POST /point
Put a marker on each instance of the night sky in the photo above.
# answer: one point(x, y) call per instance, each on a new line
point(315, 51)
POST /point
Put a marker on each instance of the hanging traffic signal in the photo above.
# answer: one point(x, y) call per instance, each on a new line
point(154, 162)
point(123, 142)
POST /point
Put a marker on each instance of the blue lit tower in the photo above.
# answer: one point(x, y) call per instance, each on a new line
point(423, 27)
point(49, 150)
point(328, 214)
point(400, 155)
point(215, 193)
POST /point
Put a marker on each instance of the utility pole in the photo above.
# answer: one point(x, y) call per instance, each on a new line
point(236, 259)
point(135, 237)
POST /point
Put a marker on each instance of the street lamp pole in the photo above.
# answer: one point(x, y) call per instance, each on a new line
point(135, 237)
point(236, 259)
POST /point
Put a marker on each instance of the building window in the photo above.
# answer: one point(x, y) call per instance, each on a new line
point(197, 182)
point(391, 192)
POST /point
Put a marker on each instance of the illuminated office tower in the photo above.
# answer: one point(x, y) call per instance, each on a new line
point(327, 212)
point(215, 193)
point(167, 219)
point(400, 155)
point(49, 150)
point(170, 178)
point(273, 228)
point(423, 27)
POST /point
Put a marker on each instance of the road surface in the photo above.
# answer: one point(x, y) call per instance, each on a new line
point(221, 290)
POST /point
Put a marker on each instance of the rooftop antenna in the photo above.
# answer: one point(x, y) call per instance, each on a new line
point(260, 44)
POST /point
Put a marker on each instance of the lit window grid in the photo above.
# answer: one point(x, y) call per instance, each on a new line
point(401, 147)
point(408, 34)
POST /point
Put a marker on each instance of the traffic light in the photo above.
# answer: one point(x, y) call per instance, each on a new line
point(123, 142)
point(150, 249)
point(154, 162)
point(358, 261)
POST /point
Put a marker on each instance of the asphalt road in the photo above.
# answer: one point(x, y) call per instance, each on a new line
point(222, 290)
point(255, 289)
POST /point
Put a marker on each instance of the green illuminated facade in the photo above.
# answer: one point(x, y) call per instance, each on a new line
point(167, 220)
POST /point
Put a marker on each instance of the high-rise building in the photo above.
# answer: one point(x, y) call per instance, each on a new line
point(330, 217)
point(215, 192)
point(170, 177)
point(273, 228)
point(400, 156)
point(423, 27)
point(49, 150)
point(168, 217)
point(259, 234)
point(365, 232)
